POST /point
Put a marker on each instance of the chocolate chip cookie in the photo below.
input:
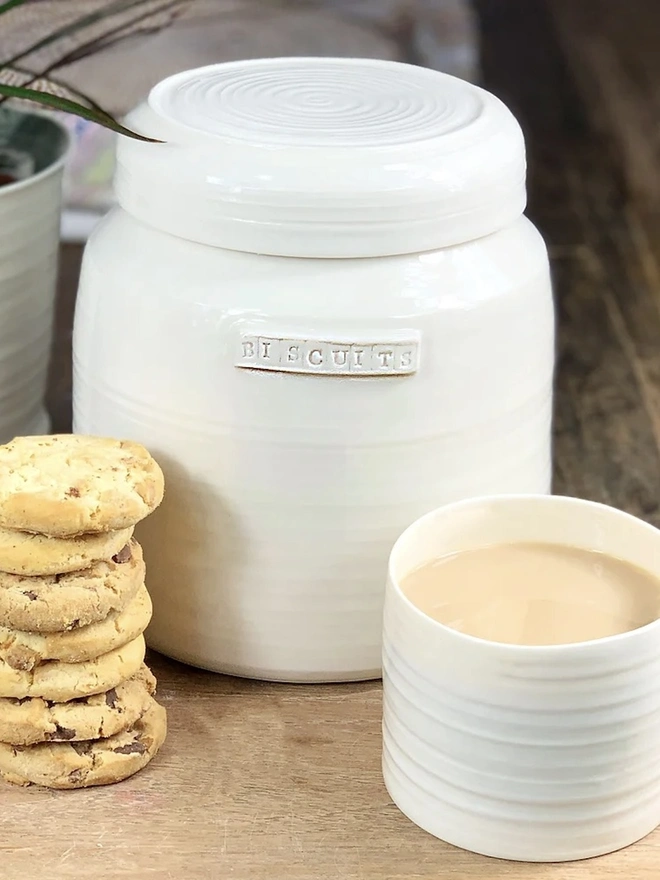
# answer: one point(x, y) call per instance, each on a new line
point(28, 554)
point(25, 650)
point(60, 682)
point(35, 720)
point(70, 484)
point(90, 762)
point(57, 602)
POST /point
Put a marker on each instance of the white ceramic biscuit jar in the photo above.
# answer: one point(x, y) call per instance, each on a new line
point(320, 306)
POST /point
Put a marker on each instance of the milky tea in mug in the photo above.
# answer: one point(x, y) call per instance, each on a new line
point(525, 593)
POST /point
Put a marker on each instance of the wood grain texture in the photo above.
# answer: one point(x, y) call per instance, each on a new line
point(607, 280)
point(255, 782)
point(268, 782)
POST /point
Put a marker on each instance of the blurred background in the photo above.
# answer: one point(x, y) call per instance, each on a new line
point(436, 33)
point(583, 77)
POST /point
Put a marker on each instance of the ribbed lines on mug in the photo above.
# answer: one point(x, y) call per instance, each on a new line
point(479, 800)
point(651, 663)
point(432, 693)
point(649, 660)
point(647, 721)
point(512, 753)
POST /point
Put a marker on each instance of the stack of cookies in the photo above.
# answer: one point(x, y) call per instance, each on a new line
point(76, 700)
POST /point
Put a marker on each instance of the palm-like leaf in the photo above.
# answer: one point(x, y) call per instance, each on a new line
point(21, 78)
point(64, 31)
point(66, 105)
point(5, 7)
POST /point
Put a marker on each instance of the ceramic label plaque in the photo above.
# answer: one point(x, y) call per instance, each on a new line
point(392, 355)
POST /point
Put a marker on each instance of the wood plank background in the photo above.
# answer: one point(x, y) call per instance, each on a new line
point(583, 79)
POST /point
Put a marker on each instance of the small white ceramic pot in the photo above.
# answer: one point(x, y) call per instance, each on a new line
point(29, 240)
point(527, 753)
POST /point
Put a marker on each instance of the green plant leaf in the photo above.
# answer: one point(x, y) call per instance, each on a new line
point(95, 26)
point(10, 4)
point(45, 82)
point(93, 114)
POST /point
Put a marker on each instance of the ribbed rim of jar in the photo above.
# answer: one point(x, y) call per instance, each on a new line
point(323, 157)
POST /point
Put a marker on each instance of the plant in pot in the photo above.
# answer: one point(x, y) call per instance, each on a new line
point(44, 35)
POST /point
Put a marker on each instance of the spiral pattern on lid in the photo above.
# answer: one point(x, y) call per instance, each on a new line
point(323, 157)
point(327, 104)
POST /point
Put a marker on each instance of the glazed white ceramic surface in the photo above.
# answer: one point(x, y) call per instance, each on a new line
point(305, 410)
point(323, 157)
point(29, 240)
point(526, 753)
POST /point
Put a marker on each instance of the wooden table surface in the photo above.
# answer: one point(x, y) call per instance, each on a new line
point(268, 782)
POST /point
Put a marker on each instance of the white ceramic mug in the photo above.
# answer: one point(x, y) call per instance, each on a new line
point(519, 752)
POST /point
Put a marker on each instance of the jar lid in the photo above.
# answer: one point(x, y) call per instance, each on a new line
point(323, 157)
